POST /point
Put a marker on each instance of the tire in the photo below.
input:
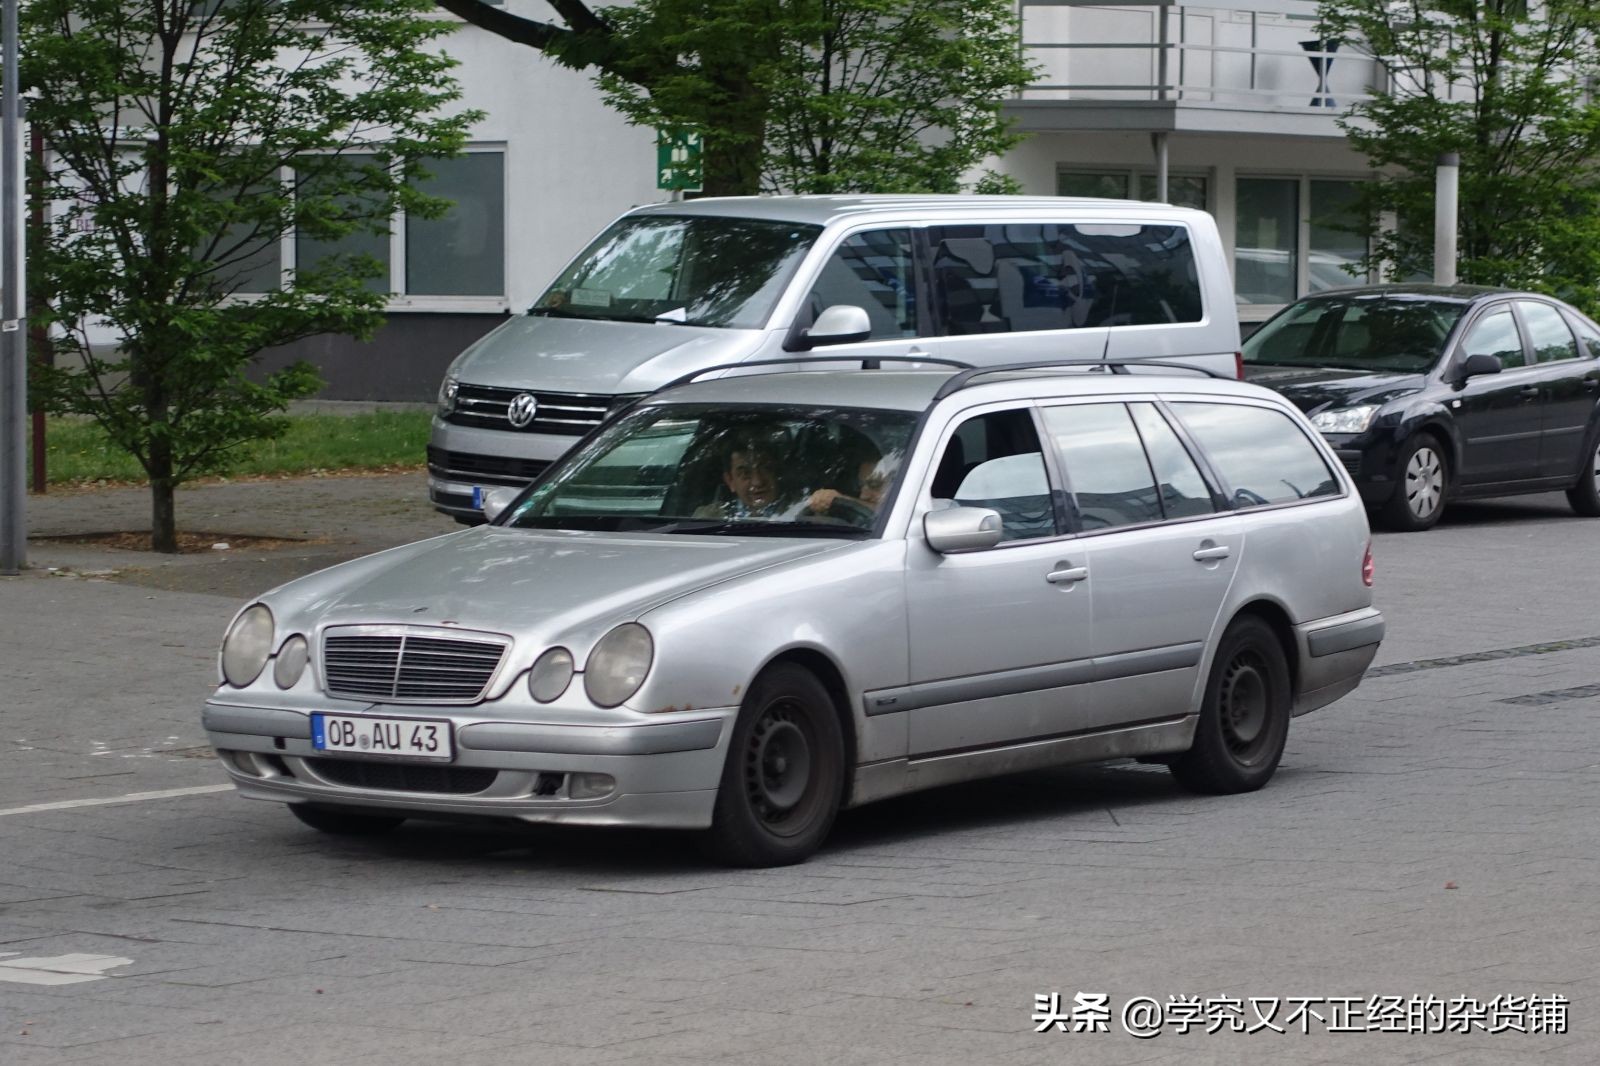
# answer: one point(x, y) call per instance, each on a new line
point(1244, 718)
point(1421, 482)
point(1585, 495)
point(784, 775)
point(344, 823)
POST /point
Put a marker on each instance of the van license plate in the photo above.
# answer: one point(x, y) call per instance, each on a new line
point(411, 738)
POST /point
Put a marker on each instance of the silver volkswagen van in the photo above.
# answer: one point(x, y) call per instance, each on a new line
point(673, 288)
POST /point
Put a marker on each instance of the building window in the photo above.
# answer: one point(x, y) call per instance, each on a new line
point(311, 253)
point(1336, 251)
point(461, 253)
point(1183, 190)
point(1267, 244)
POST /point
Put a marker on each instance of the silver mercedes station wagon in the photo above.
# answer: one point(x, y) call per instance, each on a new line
point(746, 603)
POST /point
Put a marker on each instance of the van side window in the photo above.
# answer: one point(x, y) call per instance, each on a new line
point(994, 461)
point(876, 272)
point(1022, 278)
point(1261, 456)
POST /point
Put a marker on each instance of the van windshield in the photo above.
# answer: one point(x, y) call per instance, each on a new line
point(700, 270)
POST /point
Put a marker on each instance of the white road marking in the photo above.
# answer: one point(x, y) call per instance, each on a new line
point(59, 970)
point(132, 797)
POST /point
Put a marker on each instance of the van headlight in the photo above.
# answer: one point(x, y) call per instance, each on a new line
point(1345, 419)
point(618, 664)
point(447, 395)
point(246, 647)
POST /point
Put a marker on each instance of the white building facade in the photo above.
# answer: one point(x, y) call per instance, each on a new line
point(1222, 98)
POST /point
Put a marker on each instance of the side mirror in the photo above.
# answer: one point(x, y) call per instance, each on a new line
point(962, 529)
point(497, 500)
point(1478, 363)
point(838, 324)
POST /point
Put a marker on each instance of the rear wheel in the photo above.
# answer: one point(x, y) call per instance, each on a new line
point(344, 823)
point(784, 774)
point(1585, 495)
point(1421, 479)
point(1244, 719)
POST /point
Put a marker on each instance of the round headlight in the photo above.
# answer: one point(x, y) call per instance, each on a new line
point(247, 645)
point(618, 664)
point(551, 675)
point(291, 662)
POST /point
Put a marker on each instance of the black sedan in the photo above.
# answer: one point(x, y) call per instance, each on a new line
point(1431, 393)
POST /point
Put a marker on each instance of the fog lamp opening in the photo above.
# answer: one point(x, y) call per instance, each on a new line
point(590, 786)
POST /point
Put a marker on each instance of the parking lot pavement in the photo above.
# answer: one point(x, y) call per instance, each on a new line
point(1435, 834)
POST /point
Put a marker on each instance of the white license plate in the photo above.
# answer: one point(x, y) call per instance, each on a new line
point(411, 738)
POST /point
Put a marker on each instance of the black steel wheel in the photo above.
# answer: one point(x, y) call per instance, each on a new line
point(1585, 495)
point(1244, 719)
point(1421, 481)
point(345, 823)
point(784, 775)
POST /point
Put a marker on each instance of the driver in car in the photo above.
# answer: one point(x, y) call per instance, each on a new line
point(873, 476)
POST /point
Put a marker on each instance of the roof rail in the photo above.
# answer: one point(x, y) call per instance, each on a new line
point(960, 381)
point(869, 362)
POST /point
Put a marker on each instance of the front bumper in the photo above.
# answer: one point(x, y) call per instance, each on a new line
point(665, 768)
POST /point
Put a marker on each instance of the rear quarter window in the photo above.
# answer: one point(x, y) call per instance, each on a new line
point(1260, 454)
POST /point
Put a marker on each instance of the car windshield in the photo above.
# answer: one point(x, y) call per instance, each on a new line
point(1377, 332)
point(706, 469)
point(698, 270)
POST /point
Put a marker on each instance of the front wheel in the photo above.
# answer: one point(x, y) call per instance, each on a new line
point(1585, 495)
point(1244, 718)
point(342, 822)
point(784, 775)
point(1421, 480)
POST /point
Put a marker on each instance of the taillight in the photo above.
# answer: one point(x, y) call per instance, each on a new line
point(1238, 365)
point(1367, 567)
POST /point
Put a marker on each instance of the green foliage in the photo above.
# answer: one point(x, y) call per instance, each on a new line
point(824, 96)
point(185, 140)
point(77, 449)
point(1503, 83)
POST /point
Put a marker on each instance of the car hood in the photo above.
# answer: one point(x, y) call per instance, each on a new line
point(1314, 389)
point(526, 583)
point(579, 355)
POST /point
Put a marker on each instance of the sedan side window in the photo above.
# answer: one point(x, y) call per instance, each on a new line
point(994, 461)
point(1105, 465)
point(1495, 334)
point(876, 272)
point(1261, 455)
point(1588, 333)
point(1547, 331)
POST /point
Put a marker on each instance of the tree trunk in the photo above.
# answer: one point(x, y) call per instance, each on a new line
point(163, 516)
point(732, 169)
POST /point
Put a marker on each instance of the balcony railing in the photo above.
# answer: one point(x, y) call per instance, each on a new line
point(1262, 55)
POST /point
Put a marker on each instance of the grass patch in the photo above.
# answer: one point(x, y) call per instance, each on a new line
point(77, 450)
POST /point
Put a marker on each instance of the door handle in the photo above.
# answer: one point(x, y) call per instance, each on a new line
point(1067, 576)
point(1529, 392)
point(1590, 384)
point(1205, 555)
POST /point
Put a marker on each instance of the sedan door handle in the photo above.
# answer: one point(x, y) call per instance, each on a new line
point(1529, 392)
point(1205, 555)
point(1590, 384)
point(1067, 576)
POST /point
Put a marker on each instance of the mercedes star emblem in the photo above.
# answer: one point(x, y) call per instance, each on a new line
point(522, 410)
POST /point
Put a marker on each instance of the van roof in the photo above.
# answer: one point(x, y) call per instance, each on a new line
point(821, 210)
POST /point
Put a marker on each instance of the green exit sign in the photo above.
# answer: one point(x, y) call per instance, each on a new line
point(678, 160)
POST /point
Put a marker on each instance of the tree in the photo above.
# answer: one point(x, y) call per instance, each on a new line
point(1508, 86)
point(800, 95)
point(185, 140)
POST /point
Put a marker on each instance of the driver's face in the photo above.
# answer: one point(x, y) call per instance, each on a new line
point(749, 477)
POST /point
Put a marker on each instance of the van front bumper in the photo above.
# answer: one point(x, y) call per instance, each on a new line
point(464, 458)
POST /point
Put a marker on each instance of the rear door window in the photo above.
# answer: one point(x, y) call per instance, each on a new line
point(1548, 334)
point(1260, 454)
point(1106, 468)
point(1026, 277)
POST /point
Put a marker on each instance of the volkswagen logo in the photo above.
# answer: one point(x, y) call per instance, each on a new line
point(522, 410)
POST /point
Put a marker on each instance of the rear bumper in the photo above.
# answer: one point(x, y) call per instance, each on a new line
point(1334, 654)
point(664, 773)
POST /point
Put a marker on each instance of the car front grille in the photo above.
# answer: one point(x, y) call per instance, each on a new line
point(403, 666)
point(465, 466)
point(570, 414)
point(405, 777)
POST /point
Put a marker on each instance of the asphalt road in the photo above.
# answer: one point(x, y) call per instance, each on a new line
point(1434, 834)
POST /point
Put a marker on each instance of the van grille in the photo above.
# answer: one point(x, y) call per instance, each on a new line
point(402, 666)
point(467, 466)
point(570, 414)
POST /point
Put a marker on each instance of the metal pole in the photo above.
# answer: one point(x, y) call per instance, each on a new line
point(1446, 193)
point(13, 340)
point(38, 339)
point(1160, 140)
